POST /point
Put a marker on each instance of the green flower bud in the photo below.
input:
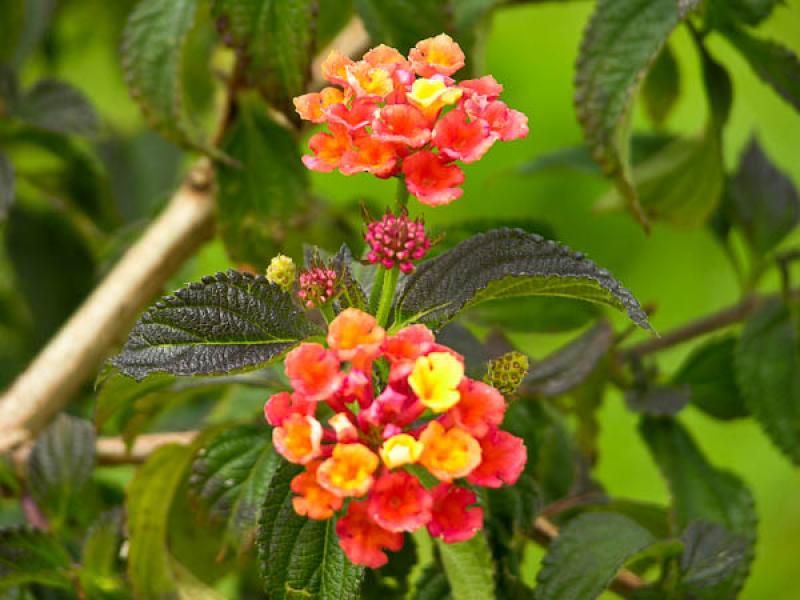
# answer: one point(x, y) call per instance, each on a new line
point(507, 372)
point(282, 272)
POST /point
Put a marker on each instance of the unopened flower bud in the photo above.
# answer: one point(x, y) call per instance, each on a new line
point(282, 272)
point(396, 241)
point(318, 285)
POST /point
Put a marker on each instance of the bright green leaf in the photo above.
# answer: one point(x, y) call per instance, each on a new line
point(623, 39)
point(99, 572)
point(768, 373)
point(469, 568)
point(32, 556)
point(300, 557)
point(228, 322)
point(587, 554)
point(507, 263)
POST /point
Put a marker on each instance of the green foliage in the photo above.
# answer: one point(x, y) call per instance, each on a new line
point(100, 574)
point(251, 323)
point(711, 554)
point(503, 264)
point(656, 401)
point(59, 107)
point(402, 23)
point(468, 566)
point(622, 41)
point(300, 556)
point(6, 186)
point(32, 556)
point(661, 87)
point(767, 370)
point(587, 554)
point(231, 475)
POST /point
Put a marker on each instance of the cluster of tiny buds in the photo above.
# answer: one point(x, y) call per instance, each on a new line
point(317, 286)
point(507, 372)
point(396, 240)
point(282, 272)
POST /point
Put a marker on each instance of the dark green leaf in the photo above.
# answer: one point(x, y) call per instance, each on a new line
point(661, 87)
point(764, 201)
point(620, 44)
point(751, 12)
point(231, 475)
point(681, 185)
point(228, 322)
point(9, 89)
point(469, 568)
point(276, 36)
point(432, 585)
point(511, 510)
point(152, 54)
point(99, 557)
point(507, 263)
point(261, 200)
point(332, 17)
point(768, 374)
point(711, 554)
point(657, 401)
point(653, 517)
point(390, 582)
point(709, 373)
point(301, 557)
point(700, 492)
point(32, 556)
point(775, 64)
point(60, 465)
point(402, 23)
point(6, 185)
point(587, 554)
point(353, 295)
point(59, 107)
point(22, 27)
point(571, 365)
point(718, 86)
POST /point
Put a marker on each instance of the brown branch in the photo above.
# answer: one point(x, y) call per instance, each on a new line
point(624, 584)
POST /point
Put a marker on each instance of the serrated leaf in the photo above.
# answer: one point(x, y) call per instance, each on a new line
point(469, 568)
point(59, 107)
point(32, 556)
point(569, 366)
point(152, 56)
point(764, 202)
point(711, 554)
point(300, 557)
point(230, 477)
point(353, 295)
point(228, 322)
point(100, 555)
point(6, 186)
point(619, 45)
point(768, 373)
point(432, 584)
point(702, 492)
point(775, 64)
point(653, 517)
point(661, 87)
point(277, 38)
point(657, 401)
point(587, 554)
point(507, 263)
point(681, 185)
point(259, 199)
point(709, 373)
point(60, 465)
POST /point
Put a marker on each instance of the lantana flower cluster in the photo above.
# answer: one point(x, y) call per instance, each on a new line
point(367, 451)
point(389, 114)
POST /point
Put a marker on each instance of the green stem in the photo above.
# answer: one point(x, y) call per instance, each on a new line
point(327, 311)
point(401, 197)
point(387, 295)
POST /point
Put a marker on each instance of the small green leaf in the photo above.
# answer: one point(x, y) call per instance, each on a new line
point(587, 554)
point(700, 492)
point(231, 475)
point(99, 572)
point(709, 373)
point(681, 185)
point(59, 107)
point(507, 263)
point(276, 36)
point(60, 466)
point(775, 64)
point(300, 557)
point(260, 200)
point(152, 55)
point(6, 186)
point(469, 568)
point(657, 401)
point(623, 39)
point(661, 87)
point(768, 373)
point(571, 365)
point(32, 556)
point(231, 321)
point(764, 202)
point(711, 554)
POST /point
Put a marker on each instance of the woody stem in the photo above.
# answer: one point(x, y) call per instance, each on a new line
point(387, 294)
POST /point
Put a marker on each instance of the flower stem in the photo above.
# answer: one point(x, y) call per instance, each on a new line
point(327, 311)
point(387, 295)
point(401, 197)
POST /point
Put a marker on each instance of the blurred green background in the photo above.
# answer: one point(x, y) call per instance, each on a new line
point(531, 49)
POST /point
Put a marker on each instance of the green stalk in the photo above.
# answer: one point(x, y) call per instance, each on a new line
point(387, 295)
point(401, 195)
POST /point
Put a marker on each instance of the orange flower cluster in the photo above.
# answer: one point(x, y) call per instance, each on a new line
point(365, 460)
point(394, 115)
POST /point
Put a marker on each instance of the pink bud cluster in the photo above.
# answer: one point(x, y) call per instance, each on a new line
point(396, 240)
point(317, 286)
